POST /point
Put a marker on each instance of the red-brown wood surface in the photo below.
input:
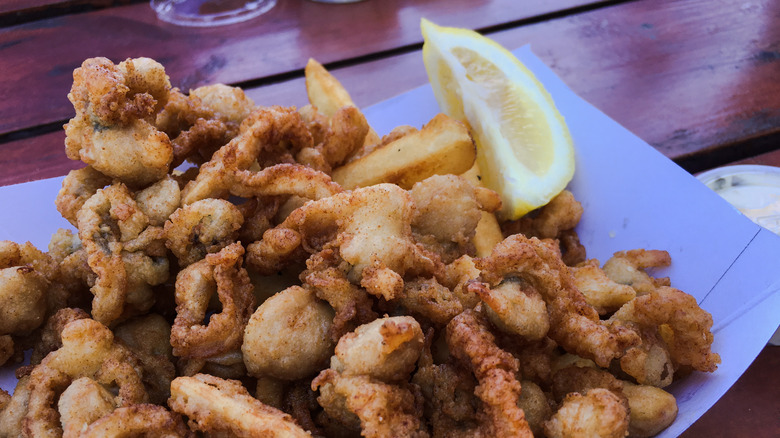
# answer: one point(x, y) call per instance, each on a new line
point(697, 97)
point(37, 58)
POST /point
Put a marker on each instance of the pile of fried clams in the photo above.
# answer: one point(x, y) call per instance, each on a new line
point(252, 295)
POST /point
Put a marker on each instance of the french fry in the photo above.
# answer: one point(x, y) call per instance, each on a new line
point(488, 233)
point(442, 146)
point(328, 95)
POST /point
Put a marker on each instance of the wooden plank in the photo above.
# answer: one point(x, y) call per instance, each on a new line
point(37, 59)
point(654, 93)
point(702, 97)
point(8, 7)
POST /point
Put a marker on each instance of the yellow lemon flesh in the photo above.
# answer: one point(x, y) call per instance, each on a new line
point(524, 149)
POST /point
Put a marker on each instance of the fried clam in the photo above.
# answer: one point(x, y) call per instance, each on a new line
point(326, 275)
point(651, 409)
point(88, 350)
point(473, 346)
point(366, 385)
point(268, 137)
point(72, 277)
point(203, 227)
point(574, 324)
point(204, 121)
point(140, 420)
point(371, 227)
point(449, 209)
point(287, 337)
point(148, 337)
point(113, 129)
point(334, 138)
point(681, 324)
point(25, 276)
point(124, 252)
point(596, 413)
point(556, 220)
point(219, 406)
point(601, 292)
point(221, 274)
point(630, 268)
point(78, 186)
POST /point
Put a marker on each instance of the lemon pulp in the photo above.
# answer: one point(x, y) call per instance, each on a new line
point(523, 145)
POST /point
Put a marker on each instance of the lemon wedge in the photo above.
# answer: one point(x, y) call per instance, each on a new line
point(524, 148)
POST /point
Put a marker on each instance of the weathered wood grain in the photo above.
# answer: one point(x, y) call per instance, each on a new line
point(37, 59)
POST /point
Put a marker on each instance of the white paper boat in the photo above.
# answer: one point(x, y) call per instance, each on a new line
point(633, 196)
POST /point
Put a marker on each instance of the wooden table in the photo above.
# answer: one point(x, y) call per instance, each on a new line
point(697, 79)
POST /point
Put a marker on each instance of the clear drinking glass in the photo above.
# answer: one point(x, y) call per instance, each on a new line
point(207, 13)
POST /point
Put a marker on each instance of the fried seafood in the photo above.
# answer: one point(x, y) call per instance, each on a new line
point(515, 308)
point(472, 344)
point(680, 322)
point(629, 268)
point(574, 324)
point(449, 209)
point(219, 273)
point(597, 413)
point(113, 129)
point(203, 227)
point(370, 226)
point(273, 135)
point(88, 350)
point(117, 236)
point(24, 281)
point(601, 292)
point(148, 337)
point(215, 406)
point(78, 186)
point(326, 274)
point(288, 336)
point(83, 402)
point(382, 409)
point(386, 349)
point(141, 420)
point(390, 301)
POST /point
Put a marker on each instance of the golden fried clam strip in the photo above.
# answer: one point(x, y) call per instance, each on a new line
point(201, 228)
point(449, 210)
point(265, 136)
point(515, 308)
point(159, 200)
point(386, 349)
point(428, 299)
point(140, 420)
point(219, 273)
point(51, 333)
point(25, 275)
point(597, 413)
point(78, 186)
point(215, 405)
point(326, 274)
point(574, 324)
point(116, 233)
point(366, 383)
point(13, 413)
point(335, 137)
point(115, 108)
point(287, 336)
point(563, 212)
point(204, 121)
point(472, 344)
point(83, 402)
point(683, 326)
point(651, 409)
point(383, 409)
point(148, 337)
point(629, 268)
point(601, 292)
point(371, 227)
point(88, 350)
